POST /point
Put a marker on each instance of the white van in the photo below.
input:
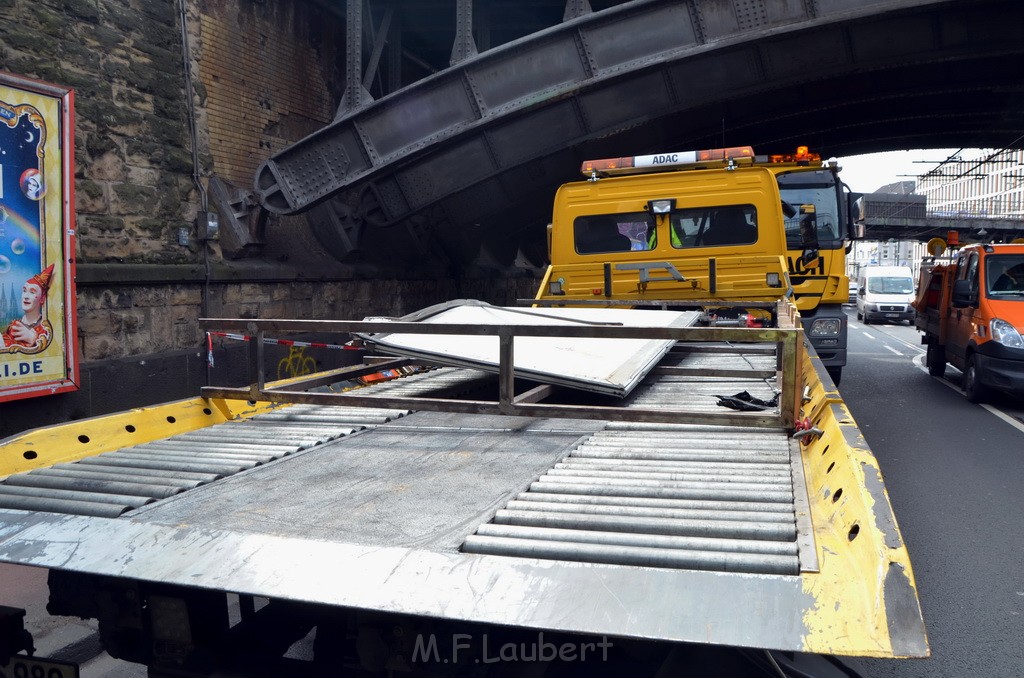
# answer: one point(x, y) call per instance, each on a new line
point(885, 293)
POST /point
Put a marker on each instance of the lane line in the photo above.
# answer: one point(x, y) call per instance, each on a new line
point(891, 349)
point(1012, 421)
point(914, 347)
point(918, 348)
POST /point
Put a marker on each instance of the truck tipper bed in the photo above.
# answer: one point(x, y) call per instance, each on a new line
point(227, 530)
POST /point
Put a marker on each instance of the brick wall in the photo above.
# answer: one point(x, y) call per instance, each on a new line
point(263, 79)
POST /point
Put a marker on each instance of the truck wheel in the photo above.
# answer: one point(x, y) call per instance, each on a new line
point(973, 389)
point(935, 359)
point(859, 316)
point(836, 373)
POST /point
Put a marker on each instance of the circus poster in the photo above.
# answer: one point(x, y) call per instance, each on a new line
point(37, 297)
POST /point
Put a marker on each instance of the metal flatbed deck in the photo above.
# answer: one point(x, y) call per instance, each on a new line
point(634, 529)
point(383, 477)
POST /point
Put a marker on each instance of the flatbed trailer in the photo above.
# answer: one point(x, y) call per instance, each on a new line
point(414, 521)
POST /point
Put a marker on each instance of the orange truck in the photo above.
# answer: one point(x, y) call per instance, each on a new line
point(971, 311)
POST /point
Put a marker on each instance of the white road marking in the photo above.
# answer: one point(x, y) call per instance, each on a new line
point(891, 349)
point(1012, 421)
point(918, 361)
point(913, 347)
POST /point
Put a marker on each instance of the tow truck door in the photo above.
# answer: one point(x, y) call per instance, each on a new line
point(962, 320)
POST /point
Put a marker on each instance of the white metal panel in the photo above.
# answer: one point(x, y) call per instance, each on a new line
point(609, 366)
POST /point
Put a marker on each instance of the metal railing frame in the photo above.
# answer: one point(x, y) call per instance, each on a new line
point(788, 339)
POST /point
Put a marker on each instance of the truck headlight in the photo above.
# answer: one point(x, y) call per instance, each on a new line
point(826, 327)
point(1005, 333)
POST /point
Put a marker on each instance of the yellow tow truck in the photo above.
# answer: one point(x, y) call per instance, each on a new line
point(816, 219)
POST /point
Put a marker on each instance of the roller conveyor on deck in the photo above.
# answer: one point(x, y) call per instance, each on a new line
point(587, 493)
point(110, 484)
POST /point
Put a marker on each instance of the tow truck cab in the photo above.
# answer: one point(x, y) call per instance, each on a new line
point(707, 225)
point(705, 235)
point(972, 315)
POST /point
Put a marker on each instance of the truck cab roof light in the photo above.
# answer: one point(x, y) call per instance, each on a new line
point(675, 160)
point(803, 156)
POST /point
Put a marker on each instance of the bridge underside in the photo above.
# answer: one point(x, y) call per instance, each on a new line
point(461, 167)
point(968, 229)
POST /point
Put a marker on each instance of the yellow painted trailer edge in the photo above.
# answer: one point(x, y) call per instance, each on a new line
point(864, 590)
point(71, 441)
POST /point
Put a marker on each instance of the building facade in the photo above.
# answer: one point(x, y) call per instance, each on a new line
point(983, 183)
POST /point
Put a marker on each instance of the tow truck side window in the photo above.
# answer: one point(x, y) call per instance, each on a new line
point(605, 233)
point(969, 271)
point(711, 226)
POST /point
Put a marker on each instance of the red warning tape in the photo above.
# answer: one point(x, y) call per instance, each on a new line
point(267, 340)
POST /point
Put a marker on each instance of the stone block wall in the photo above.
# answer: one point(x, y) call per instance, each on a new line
point(264, 75)
point(132, 153)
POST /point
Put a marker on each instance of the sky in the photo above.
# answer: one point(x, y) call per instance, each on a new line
point(867, 173)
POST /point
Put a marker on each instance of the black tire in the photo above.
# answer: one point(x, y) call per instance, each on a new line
point(867, 320)
point(836, 373)
point(935, 360)
point(859, 316)
point(973, 389)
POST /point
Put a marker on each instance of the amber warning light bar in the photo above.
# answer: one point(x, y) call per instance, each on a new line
point(803, 155)
point(666, 160)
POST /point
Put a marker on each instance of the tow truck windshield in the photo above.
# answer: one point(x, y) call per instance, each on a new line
point(1004, 275)
point(818, 189)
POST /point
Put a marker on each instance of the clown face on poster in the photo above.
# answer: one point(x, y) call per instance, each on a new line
point(37, 297)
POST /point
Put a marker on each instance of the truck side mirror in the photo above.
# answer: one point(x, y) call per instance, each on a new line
point(808, 234)
point(962, 296)
point(854, 217)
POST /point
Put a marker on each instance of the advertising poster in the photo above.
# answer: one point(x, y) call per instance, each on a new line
point(37, 295)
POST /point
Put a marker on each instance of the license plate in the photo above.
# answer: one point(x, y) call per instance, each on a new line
point(31, 667)
point(892, 315)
